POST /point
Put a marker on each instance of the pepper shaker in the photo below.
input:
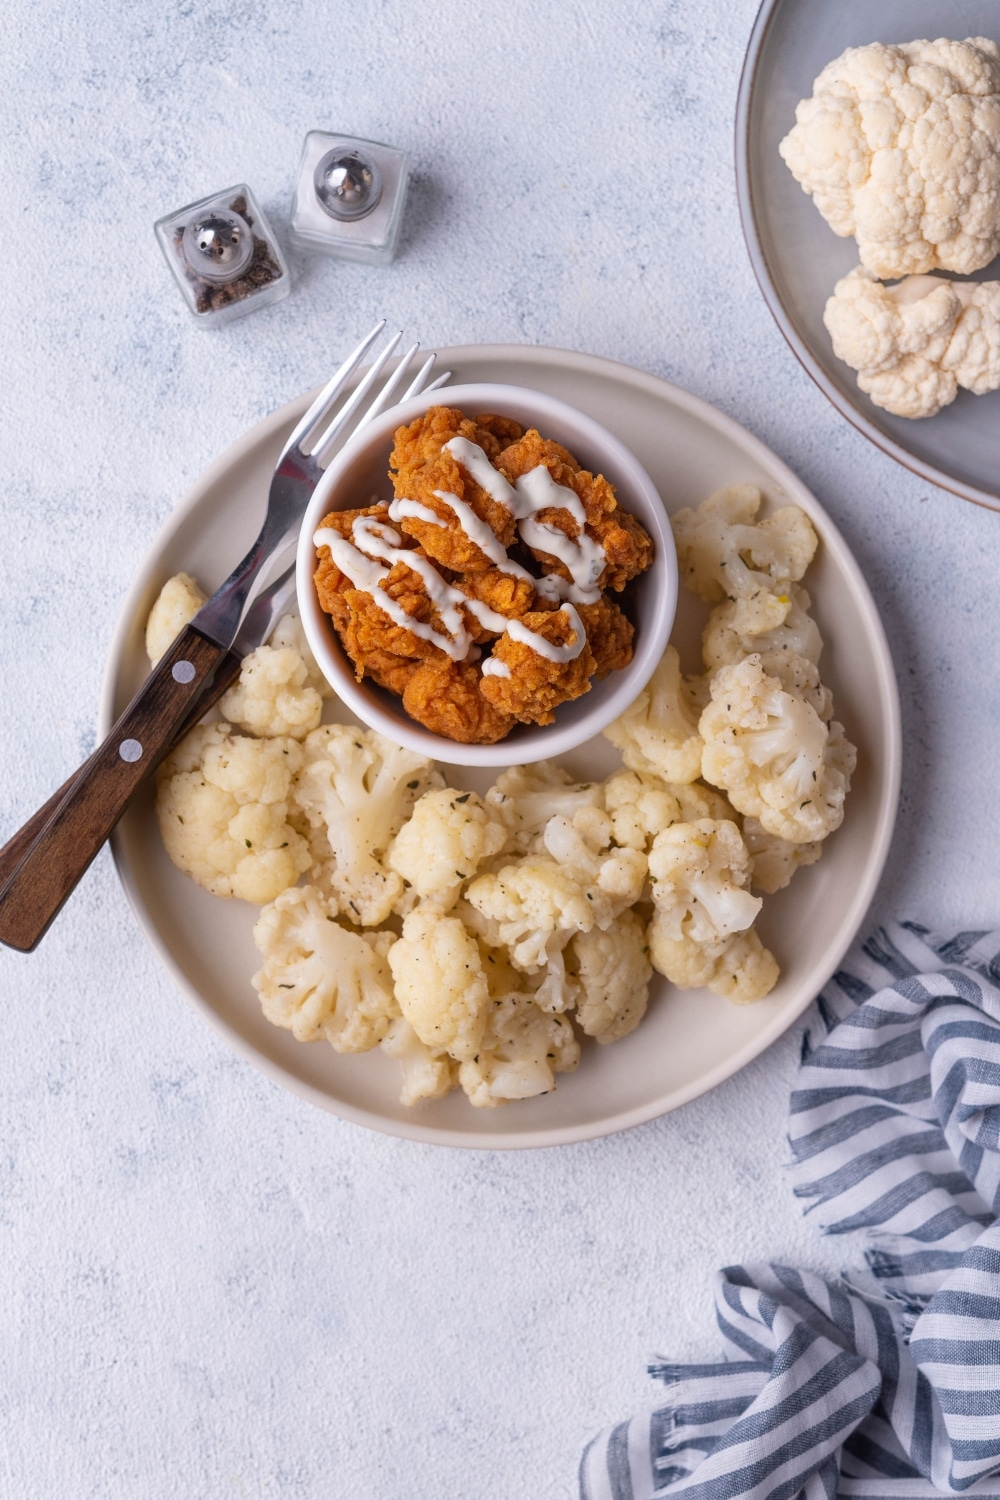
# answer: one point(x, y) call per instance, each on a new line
point(224, 255)
point(349, 197)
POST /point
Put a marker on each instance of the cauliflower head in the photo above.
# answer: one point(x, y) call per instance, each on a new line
point(289, 632)
point(641, 806)
point(521, 1051)
point(440, 984)
point(900, 147)
point(321, 980)
point(356, 789)
point(773, 755)
point(723, 642)
point(446, 838)
point(223, 806)
point(774, 861)
point(176, 605)
point(914, 345)
point(612, 971)
point(273, 694)
point(725, 552)
point(658, 734)
point(427, 1072)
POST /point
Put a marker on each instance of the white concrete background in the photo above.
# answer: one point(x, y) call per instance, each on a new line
point(207, 1288)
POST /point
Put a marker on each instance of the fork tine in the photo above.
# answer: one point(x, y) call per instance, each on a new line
point(321, 452)
point(387, 396)
point(321, 406)
point(441, 380)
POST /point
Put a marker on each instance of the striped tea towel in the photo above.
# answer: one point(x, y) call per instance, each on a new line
point(884, 1386)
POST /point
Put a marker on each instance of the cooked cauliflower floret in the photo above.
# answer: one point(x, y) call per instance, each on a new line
point(699, 873)
point(443, 843)
point(773, 755)
point(612, 971)
point(321, 979)
point(273, 694)
point(440, 984)
point(222, 806)
point(723, 644)
point(724, 552)
point(356, 789)
point(641, 806)
point(739, 967)
point(916, 344)
point(774, 861)
point(427, 1072)
point(526, 797)
point(520, 1053)
point(178, 602)
point(289, 632)
point(658, 733)
point(900, 146)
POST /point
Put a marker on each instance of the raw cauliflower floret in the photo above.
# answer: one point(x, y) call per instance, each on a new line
point(774, 757)
point(178, 602)
point(520, 1053)
point(440, 984)
point(321, 980)
point(641, 806)
point(223, 805)
point(273, 694)
point(612, 971)
point(427, 1072)
point(524, 798)
point(658, 733)
point(443, 843)
point(723, 643)
point(774, 861)
point(356, 789)
point(900, 146)
point(739, 967)
point(914, 345)
point(724, 552)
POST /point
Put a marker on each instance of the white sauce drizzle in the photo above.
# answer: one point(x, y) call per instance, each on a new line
point(548, 649)
point(494, 667)
point(400, 510)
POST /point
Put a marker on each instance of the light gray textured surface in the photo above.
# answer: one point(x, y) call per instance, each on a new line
point(208, 1288)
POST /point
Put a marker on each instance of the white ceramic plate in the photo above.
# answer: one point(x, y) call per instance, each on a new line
point(689, 1041)
point(796, 256)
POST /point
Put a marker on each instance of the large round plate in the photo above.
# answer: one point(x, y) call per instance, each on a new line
point(796, 256)
point(688, 1042)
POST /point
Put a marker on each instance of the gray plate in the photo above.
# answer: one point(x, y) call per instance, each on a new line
point(797, 257)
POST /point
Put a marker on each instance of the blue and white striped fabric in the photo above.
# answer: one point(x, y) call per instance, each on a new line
point(886, 1385)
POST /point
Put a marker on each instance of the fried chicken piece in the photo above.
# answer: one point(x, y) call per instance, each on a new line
point(536, 685)
point(331, 583)
point(609, 634)
point(627, 547)
point(506, 594)
point(445, 697)
point(421, 466)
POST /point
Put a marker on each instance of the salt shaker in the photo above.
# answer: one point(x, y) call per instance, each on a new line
point(349, 197)
point(224, 255)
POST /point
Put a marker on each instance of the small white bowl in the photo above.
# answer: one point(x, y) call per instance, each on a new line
point(358, 476)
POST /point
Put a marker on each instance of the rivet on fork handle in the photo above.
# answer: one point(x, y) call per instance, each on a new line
point(100, 792)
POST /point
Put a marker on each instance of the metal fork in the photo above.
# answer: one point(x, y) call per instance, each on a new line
point(103, 787)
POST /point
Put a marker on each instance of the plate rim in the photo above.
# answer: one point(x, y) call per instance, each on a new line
point(746, 197)
point(283, 418)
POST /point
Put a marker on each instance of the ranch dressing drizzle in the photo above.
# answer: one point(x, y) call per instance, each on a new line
point(551, 652)
point(399, 510)
point(494, 667)
point(583, 557)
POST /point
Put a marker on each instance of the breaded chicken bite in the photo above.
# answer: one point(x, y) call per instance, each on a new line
point(609, 634)
point(445, 697)
point(421, 471)
point(535, 686)
point(507, 595)
point(331, 583)
point(627, 547)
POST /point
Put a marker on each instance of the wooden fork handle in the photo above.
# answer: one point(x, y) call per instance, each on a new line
point(12, 853)
point(88, 807)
